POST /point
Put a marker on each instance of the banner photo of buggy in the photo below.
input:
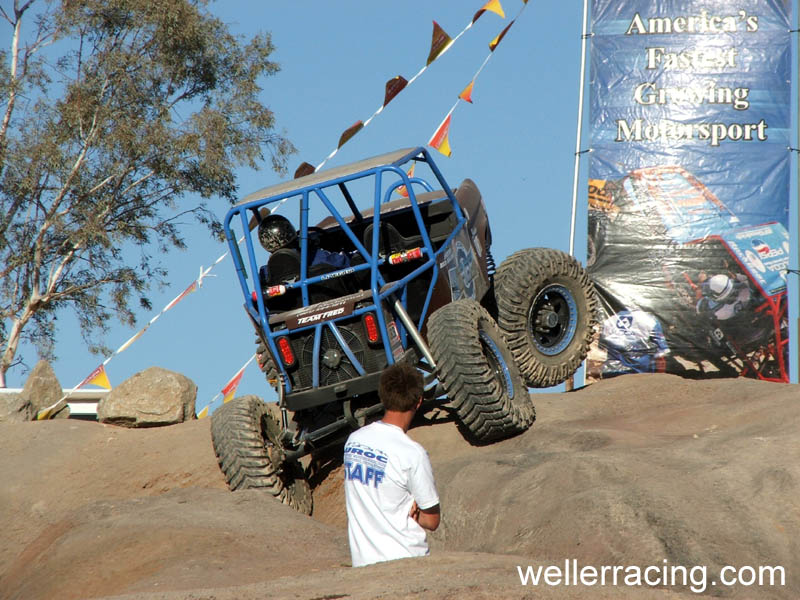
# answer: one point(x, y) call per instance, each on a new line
point(689, 187)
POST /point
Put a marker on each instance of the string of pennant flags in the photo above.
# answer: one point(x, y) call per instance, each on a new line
point(99, 377)
point(227, 392)
point(440, 140)
point(441, 42)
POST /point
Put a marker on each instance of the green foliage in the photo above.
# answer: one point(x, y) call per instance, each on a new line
point(121, 117)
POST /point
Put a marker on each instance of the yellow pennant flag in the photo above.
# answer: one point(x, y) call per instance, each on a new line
point(402, 189)
point(493, 6)
point(441, 139)
point(440, 42)
point(499, 38)
point(97, 377)
point(203, 413)
point(466, 93)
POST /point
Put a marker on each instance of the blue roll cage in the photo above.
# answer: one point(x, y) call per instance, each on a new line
point(313, 186)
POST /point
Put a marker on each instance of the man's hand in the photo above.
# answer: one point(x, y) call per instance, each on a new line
point(427, 518)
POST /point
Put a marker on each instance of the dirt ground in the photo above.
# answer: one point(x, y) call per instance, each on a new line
point(638, 471)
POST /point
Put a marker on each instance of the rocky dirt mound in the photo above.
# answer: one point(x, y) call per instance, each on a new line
point(639, 470)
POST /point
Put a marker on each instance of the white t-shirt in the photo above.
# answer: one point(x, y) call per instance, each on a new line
point(385, 472)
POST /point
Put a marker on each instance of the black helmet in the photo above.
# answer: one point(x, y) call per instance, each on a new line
point(275, 232)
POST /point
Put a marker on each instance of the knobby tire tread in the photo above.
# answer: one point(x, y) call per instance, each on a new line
point(518, 280)
point(266, 364)
point(481, 404)
point(239, 430)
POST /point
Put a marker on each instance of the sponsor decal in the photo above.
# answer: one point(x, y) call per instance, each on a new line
point(761, 247)
point(764, 250)
point(394, 340)
point(754, 260)
point(318, 313)
point(461, 272)
point(323, 316)
point(750, 233)
point(337, 274)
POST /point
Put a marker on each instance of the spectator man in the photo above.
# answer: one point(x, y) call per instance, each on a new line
point(389, 489)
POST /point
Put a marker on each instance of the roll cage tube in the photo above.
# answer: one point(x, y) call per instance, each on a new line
point(379, 289)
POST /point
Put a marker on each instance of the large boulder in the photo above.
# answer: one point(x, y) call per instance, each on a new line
point(151, 398)
point(14, 409)
point(42, 389)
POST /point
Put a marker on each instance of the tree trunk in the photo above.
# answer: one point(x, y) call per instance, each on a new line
point(12, 343)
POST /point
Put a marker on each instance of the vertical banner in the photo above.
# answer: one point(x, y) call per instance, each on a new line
point(689, 186)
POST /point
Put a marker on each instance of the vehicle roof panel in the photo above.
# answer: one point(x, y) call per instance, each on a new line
point(327, 174)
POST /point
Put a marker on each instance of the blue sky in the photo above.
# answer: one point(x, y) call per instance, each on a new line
point(516, 142)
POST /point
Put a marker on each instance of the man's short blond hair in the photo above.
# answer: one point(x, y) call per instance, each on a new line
point(400, 387)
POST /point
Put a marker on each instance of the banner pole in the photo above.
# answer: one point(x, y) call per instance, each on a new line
point(570, 384)
point(578, 132)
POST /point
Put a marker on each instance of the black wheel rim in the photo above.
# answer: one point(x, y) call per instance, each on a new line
point(553, 319)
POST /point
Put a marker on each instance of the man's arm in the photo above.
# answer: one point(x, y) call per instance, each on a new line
point(427, 518)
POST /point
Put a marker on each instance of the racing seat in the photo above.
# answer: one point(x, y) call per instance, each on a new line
point(283, 266)
point(390, 240)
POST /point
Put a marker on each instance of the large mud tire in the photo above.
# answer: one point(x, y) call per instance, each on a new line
point(547, 310)
point(245, 438)
point(478, 372)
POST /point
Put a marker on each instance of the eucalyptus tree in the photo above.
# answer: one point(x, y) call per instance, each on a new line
point(121, 118)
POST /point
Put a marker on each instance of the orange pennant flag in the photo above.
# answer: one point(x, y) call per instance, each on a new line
point(230, 389)
point(402, 189)
point(439, 43)
point(441, 139)
point(493, 6)
point(97, 377)
point(393, 87)
point(350, 132)
point(499, 38)
point(466, 93)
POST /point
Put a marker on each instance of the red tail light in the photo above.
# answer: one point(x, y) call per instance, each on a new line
point(371, 325)
point(286, 351)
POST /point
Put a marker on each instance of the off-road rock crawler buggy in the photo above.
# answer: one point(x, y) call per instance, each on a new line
point(418, 284)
